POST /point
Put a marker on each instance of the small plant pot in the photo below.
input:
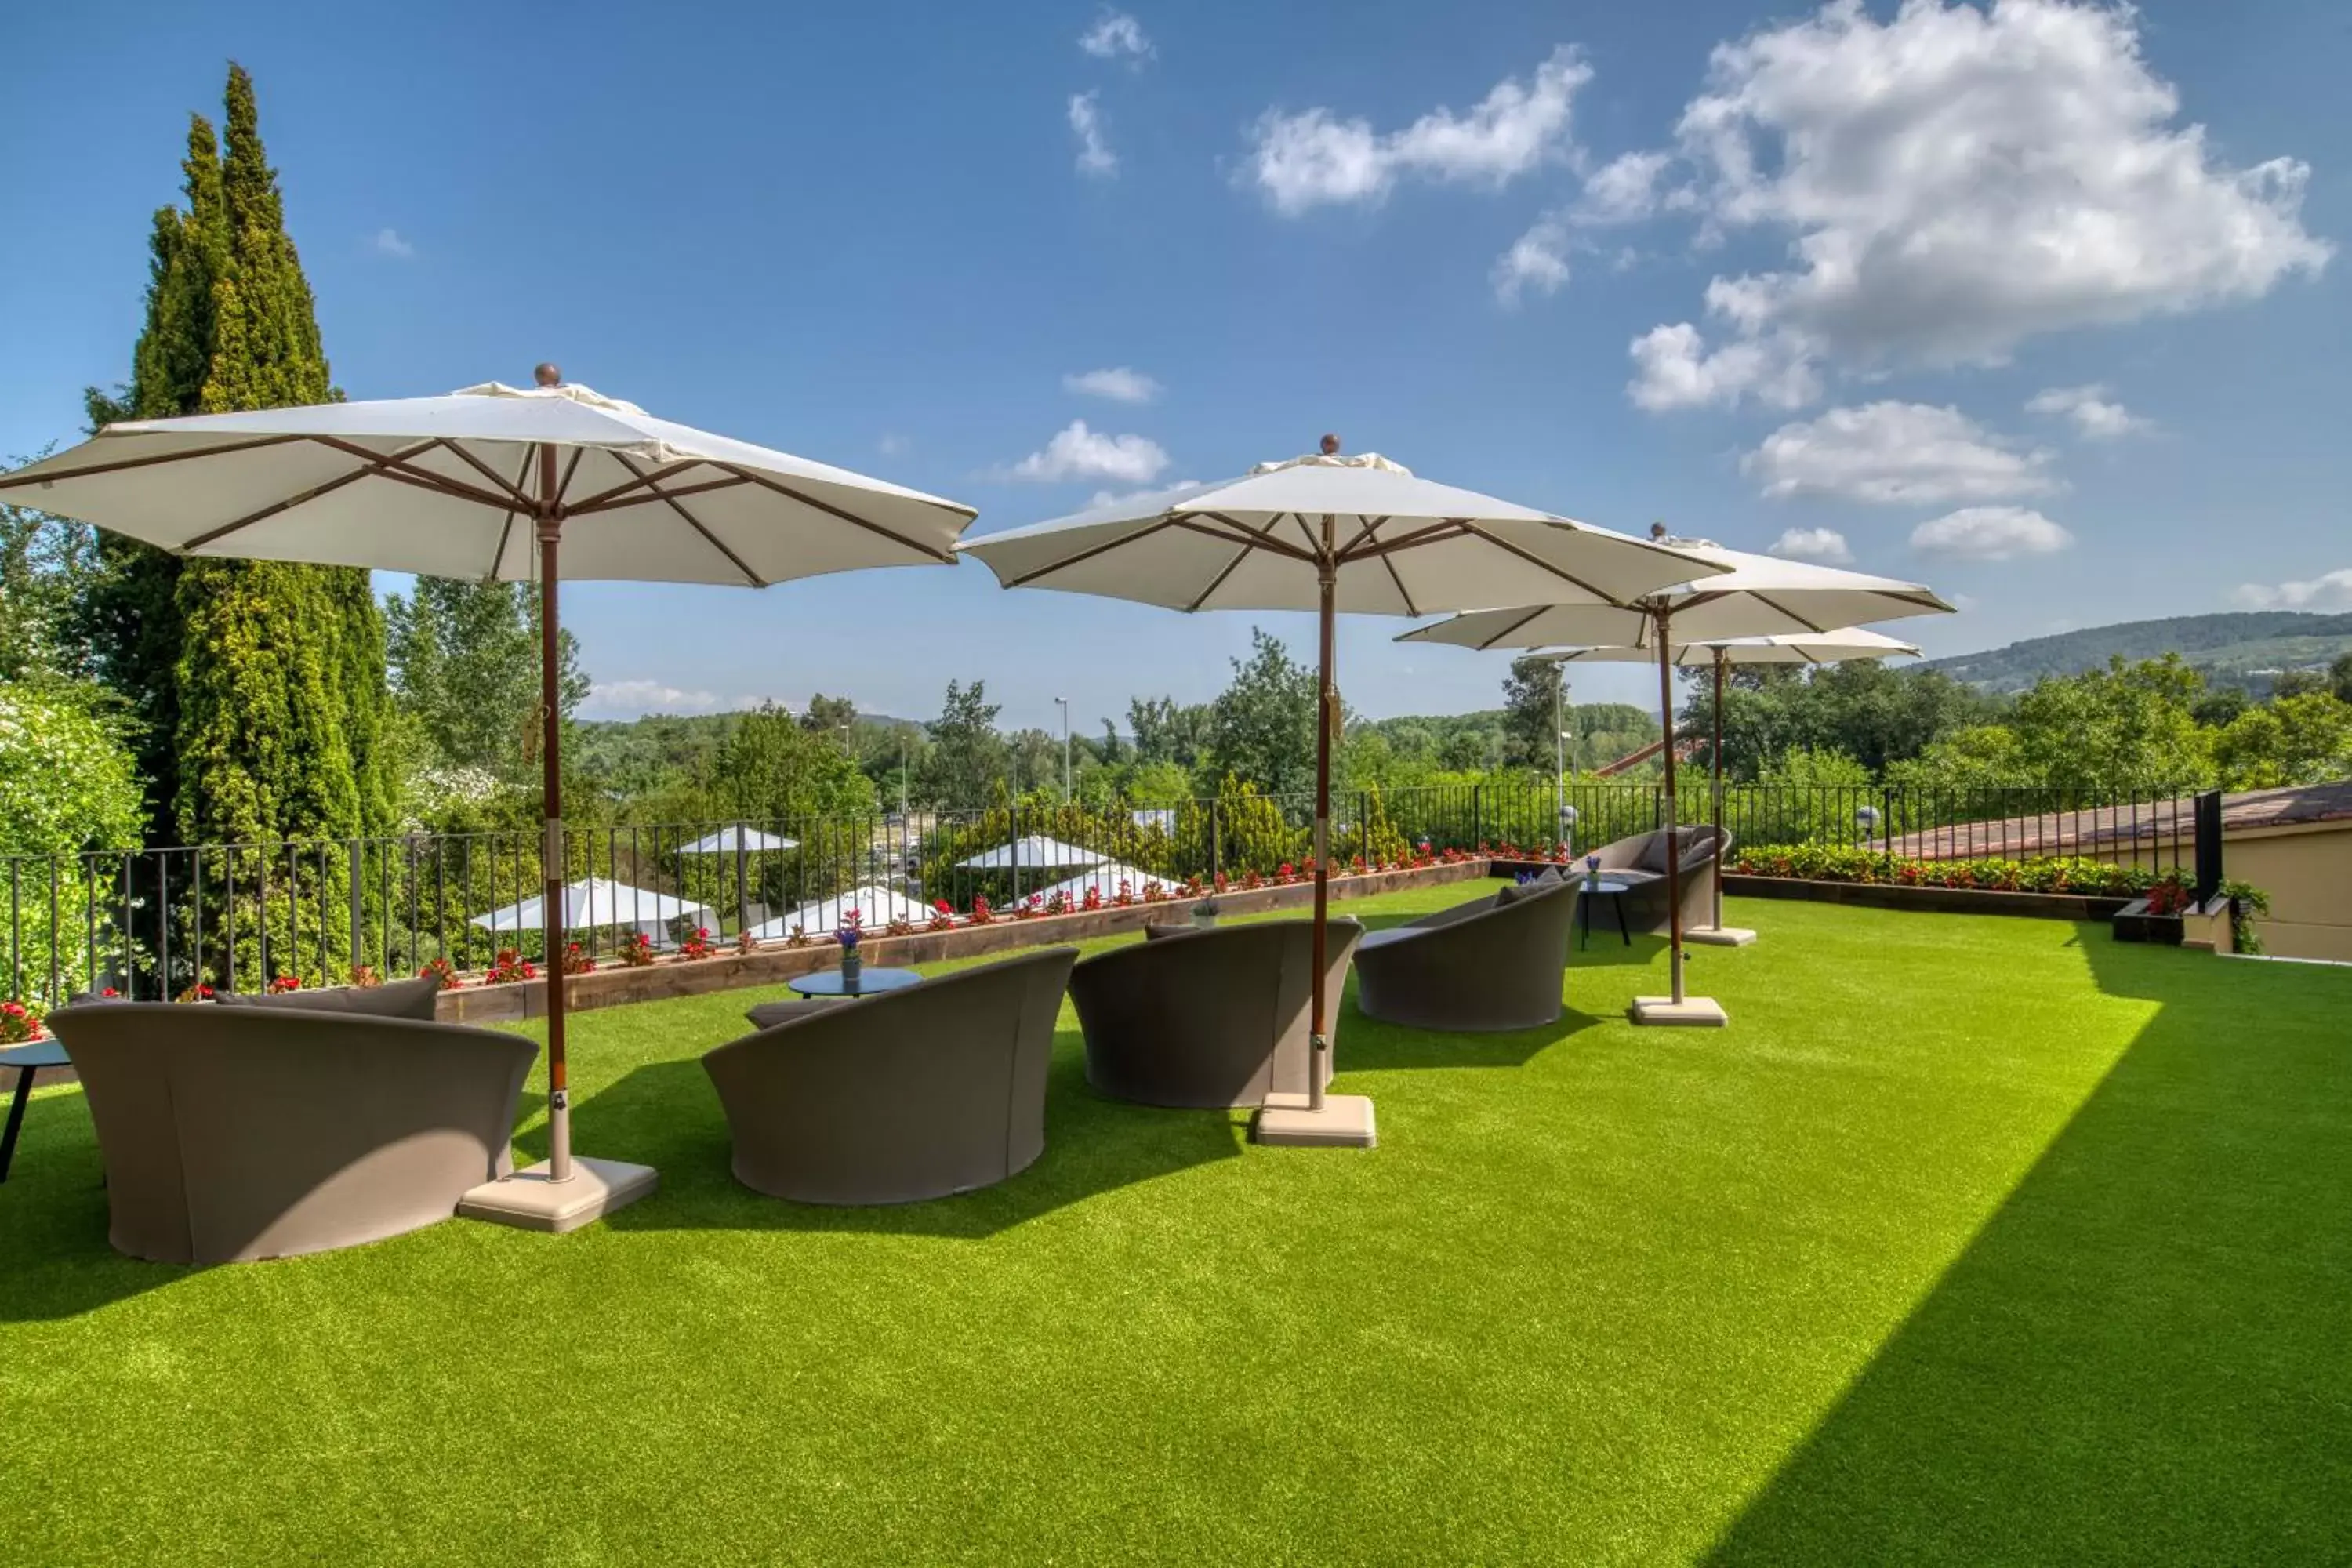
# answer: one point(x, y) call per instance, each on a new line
point(2134, 923)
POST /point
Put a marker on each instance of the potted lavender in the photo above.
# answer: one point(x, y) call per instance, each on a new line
point(853, 963)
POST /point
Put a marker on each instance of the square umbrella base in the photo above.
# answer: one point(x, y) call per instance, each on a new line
point(1691, 1012)
point(1344, 1123)
point(1720, 936)
point(529, 1201)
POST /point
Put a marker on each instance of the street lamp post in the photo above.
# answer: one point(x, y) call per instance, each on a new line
point(1065, 748)
point(1561, 741)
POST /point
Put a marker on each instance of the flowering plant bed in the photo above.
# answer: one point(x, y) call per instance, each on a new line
point(1851, 863)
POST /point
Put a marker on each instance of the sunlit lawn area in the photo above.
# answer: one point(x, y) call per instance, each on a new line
point(1970, 1240)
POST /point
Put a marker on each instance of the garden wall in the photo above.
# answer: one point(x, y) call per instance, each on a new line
point(1934, 900)
point(774, 964)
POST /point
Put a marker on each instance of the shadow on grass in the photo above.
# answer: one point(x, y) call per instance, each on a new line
point(2145, 1354)
point(667, 1115)
point(55, 1259)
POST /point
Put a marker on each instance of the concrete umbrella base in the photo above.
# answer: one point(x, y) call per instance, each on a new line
point(1720, 936)
point(1344, 1123)
point(1691, 1012)
point(529, 1201)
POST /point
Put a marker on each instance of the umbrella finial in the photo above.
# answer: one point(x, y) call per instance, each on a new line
point(1657, 531)
point(1330, 445)
point(547, 374)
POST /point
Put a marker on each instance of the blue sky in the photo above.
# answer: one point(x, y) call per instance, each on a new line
point(1964, 296)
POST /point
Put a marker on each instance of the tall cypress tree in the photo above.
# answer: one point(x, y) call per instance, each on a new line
point(261, 683)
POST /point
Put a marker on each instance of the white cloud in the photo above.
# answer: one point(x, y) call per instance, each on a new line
point(1536, 260)
point(1118, 383)
point(1674, 368)
point(2097, 417)
point(893, 445)
point(2328, 591)
point(1955, 181)
point(1826, 546)
point(388, 242)
point(1897, 452)
point(1116, 35)
point(1625, 189)
point(1312, 158)
point(1989, 533)
point(1079, 453)
point(1095, 156)
point(627, 698)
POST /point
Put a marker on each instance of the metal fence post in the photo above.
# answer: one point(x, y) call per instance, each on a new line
point(1477, 814)
point(358, 882)
point(2209, 845)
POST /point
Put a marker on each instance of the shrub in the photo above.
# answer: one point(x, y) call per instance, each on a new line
point(18, 1024)
point(636, 952)
point(1851, 863)
point(699, 945)
point(507, 967)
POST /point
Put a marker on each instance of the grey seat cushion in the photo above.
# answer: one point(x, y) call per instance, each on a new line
point(1633, 877)
point(399, 999)
point(768, 1015)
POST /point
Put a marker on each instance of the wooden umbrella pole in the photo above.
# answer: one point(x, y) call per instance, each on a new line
point(1674, 838)
point(1326, 568)
point(559, 1092)
point(1716, 816)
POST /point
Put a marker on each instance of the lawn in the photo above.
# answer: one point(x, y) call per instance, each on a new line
point(1972, 1240)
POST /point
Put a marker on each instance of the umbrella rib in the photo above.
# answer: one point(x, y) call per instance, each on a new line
point(304, 498)
point(1513, 627)
point(639, 479)
point(512, 491)
point(694, 522)
point(1371, 525)
point(617, 499)
point(505, 523)
point(569, 468)
point(752, 476)
point(1255, 539)
point(1231, 566)
point(1770, 602)
point(10, 481)
point(395, 468)
point(1532, 559)
point(1435, 534)
point(1090, 552)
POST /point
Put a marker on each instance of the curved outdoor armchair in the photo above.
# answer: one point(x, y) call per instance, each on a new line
point(1495, 963)
point(1640, 861)
point(913, 1094)
point(234, 1133)
point(1214, 1017)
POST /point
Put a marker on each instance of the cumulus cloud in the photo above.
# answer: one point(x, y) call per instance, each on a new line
point(388, 242)
point(1314, 158)
point(2094, 414)
point(1622, 191)
point(2328, 591)
point(1989, 533)
point(1826, 546)
point(1896, 454)
point(893, 445)
point(1537, 261)
point(1953, 182)
point(1094, 155)
point(1079, 453)
point(627, 698)
point(1118, 383)
point(1674, 368)
point(1116, 36)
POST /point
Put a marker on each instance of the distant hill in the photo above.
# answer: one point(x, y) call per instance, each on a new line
point(2242, 649)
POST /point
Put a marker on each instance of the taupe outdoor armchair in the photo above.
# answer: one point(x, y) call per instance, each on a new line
point(1215, 1018)
point(1495, 963)
point(1640, 861)
point(232, 1134)
point(913, 1094)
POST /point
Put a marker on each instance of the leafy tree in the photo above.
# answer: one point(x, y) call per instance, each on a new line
point(829, 714)
point(2124, 730)
point(2218, 706)
point(1531, 697)
point(774, 768)
point(967, 756)
point(465, 656)
point(1464, 751)
point(2289, 683)
point(1169, 731)
point(45, 564)
point(2339, 676)
point(2303, 739)
point(1978, 758)
point(67, 783)
point(1262, 726)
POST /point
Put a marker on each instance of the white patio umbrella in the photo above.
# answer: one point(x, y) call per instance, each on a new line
point(1812, 647)
point(1032, 851)
point(487, 482)
point(876, 906)
point(737, 837)
point(1328, 533)
point(1747, 595)
point(594, 903)
point(1104, 879)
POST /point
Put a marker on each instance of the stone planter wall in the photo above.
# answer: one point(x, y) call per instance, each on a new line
point(1937, 900)
point(613, 984)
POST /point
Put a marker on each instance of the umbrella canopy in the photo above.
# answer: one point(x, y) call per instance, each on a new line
point(1751, 595)
point(493, 481)
point(1105, 879)
point(737, 836)
point(1812, 647)
point(1329, 532)
point(877, 908)
point(595, 903)
point(1034, 852)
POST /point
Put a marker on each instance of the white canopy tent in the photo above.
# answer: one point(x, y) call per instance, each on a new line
point(876, 906)
point(738, 836)
point(522, 484)
point(1033, 852)
point(1105, 879)
point(598, 903)
point(1329, 532)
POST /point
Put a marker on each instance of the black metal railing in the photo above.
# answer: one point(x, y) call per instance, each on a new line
point(161, 922)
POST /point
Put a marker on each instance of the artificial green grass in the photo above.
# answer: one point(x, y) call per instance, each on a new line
point(1970, 1240)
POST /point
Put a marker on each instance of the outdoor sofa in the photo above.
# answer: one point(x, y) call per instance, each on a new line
point(281, 1125)
point(1641, 862)
point(1209, 1017)
point(921, 1093)
point(1495, 963)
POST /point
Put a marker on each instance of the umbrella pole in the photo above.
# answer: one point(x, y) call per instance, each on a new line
point(1718, 814)
point(551, 744)
point(1677, 1007)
